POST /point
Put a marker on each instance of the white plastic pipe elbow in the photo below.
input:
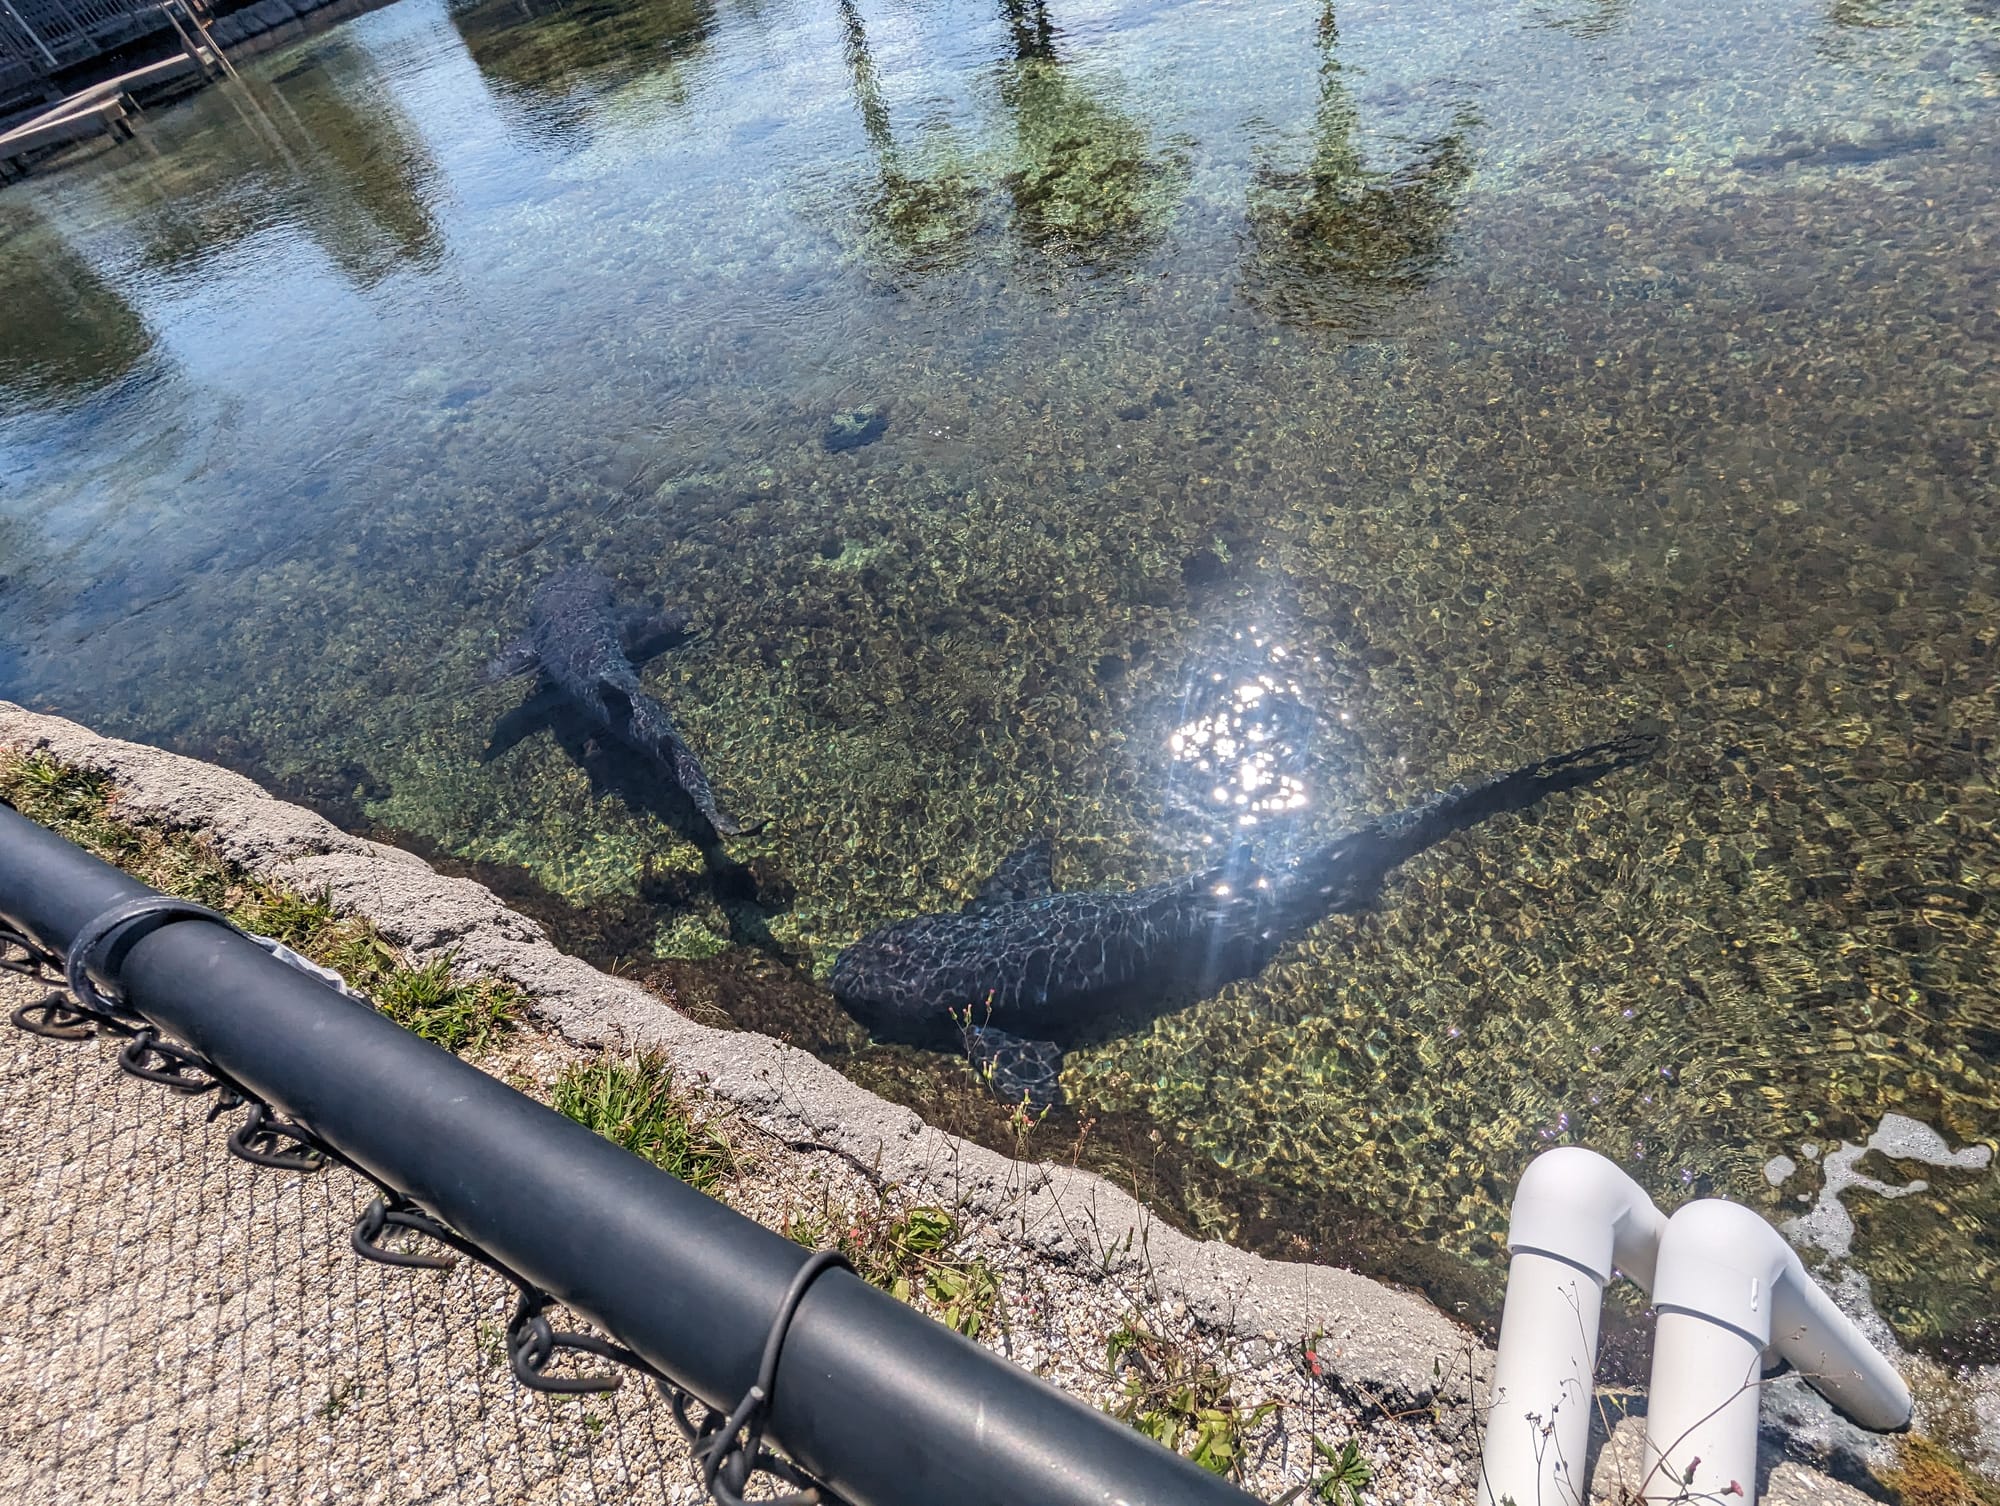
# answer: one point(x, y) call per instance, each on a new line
point(1576, 1221)
point(1728, 1287)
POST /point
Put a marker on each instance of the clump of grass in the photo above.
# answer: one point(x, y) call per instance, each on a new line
point(1346, 1476)
point(82, 805)
point(634, 1102)
point(1180, 1398)
point(911, 1256)
point(459, 1014)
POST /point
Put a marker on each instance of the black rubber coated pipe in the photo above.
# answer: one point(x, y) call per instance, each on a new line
point(886, 1406)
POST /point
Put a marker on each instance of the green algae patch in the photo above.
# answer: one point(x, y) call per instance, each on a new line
point(1923, 1472)
point(688, 939)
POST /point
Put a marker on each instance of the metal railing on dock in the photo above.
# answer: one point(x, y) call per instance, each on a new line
point(41, 39)
point(106, 105)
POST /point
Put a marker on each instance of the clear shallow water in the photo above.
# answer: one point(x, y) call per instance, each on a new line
point(1471, 384)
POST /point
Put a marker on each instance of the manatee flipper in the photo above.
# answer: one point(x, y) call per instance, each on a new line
point(1018, 1071)
point(515, 658)
point(644, 633)
point(1024, 874)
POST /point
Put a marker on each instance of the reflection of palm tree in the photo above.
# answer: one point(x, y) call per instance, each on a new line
point(927, 216)
point(1337, 242)
point(547, 58)
point(1087, 180)
point(1082, 178)
point(1034, 33)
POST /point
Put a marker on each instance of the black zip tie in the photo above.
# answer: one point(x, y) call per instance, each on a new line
point(727, 1463)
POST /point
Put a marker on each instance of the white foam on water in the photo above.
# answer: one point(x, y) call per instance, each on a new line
point(1828, 1226)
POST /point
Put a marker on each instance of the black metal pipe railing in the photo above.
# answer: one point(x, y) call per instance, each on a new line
point(871, 1397)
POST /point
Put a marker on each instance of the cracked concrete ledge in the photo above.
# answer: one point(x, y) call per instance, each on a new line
point(1387, 1348)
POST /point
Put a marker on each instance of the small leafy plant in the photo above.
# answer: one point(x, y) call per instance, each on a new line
point(1346, 1476)
point(1180, 1399)
point(909, 1255)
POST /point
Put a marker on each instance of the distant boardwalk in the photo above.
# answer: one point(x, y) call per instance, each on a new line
point(42, 39)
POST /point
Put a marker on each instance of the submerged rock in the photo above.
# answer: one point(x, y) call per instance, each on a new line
point(855, 428)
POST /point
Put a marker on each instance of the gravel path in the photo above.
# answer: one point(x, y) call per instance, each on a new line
point(176, 1325)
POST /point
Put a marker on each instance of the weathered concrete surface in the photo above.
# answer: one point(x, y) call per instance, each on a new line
point(1387, 1349)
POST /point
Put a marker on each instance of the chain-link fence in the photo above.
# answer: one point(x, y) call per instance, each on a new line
point(179, 1326)
point(172, 1326)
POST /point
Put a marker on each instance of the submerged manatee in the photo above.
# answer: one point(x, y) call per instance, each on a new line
point(581, 643)
point(1024, 970)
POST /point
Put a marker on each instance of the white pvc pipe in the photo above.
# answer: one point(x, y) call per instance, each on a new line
point(1728, 1287)
point(1576, 1221)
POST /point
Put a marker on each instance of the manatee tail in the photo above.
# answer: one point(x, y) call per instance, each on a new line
point(1347, 874)
point(643, 723)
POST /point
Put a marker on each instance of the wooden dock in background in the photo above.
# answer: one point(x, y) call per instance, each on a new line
point(109, 107)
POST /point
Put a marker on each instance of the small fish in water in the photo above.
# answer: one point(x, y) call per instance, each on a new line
point(1024, 969)
point(581, 643)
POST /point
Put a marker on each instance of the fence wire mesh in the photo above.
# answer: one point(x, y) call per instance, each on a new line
point(179, 1326)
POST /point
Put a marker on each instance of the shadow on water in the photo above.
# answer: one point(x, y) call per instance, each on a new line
point(1582, 18)
point(67, 332)
point(1338, 243)
point(619, 773)
point(1733, 459)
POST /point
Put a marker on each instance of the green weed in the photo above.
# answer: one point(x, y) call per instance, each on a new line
point(634, 1102)
point(1180, 1399)
point(81, 805)
point(1346, 1476)
point(909, 1255)
point(459, 1014)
